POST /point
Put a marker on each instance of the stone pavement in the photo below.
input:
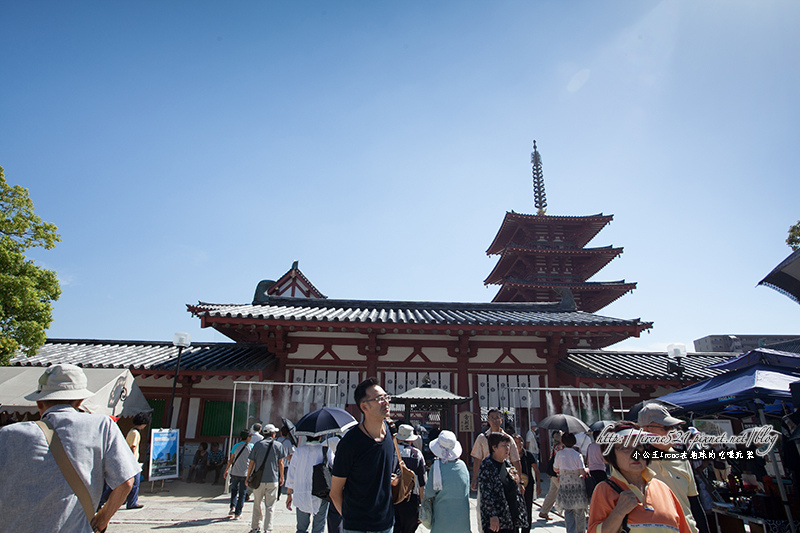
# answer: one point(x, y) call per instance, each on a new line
point(191, 507)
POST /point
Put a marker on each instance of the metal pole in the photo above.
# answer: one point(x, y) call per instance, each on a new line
point(174, 383)
point(778, 477)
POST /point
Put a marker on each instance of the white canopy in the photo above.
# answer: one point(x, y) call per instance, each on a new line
point(116, 393)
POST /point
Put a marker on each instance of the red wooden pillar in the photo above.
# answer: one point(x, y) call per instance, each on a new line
point(462, 369)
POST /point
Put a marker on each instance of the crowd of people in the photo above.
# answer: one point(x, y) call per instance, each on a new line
point(378, 479)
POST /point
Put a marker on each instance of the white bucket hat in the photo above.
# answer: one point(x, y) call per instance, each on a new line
point(61, 382)
point(446, 446)
point(405, 433)
point(269, 429)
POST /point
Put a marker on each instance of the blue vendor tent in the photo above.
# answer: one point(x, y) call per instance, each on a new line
point(743, 385)
point(766, 356)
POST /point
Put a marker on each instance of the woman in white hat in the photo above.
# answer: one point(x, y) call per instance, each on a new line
point(448, 486)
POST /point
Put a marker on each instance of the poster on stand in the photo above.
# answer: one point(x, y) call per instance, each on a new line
point(164, 457)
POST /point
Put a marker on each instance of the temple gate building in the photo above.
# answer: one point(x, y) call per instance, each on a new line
point(540, 331)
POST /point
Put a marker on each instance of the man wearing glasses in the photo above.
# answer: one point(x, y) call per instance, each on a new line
point(363, 472)
point(480, 451)
point(676, 473)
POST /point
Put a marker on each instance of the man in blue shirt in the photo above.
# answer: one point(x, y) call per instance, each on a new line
point(363, 472)
point(237, 468)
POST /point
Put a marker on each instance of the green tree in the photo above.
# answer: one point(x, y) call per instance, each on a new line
point(26, 290)
point(793, 239)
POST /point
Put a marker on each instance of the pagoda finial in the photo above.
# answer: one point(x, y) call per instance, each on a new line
point(539, 198)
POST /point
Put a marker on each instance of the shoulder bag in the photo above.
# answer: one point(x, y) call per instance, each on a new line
point(255, 478)
point(69, 472)
point(321, 478)
point(402, 491)
point(618, 489)
point(244, 447)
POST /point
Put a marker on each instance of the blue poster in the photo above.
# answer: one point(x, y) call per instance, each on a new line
point(164, 454)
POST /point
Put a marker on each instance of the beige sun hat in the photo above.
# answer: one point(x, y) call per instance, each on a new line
point(61, 382)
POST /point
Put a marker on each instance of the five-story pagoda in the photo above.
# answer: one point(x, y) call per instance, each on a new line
point(543, 257)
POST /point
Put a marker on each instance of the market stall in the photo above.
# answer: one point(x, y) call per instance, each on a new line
point(756, 379)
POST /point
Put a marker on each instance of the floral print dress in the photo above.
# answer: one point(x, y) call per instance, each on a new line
point(494, 480)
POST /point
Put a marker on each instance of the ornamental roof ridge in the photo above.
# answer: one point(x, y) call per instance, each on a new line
point(410, 304)
point(577, 284)
point(539, 218)
point(116, 342)
point(595, 249)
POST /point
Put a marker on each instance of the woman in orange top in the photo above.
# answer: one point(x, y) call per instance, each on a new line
point(632, 497)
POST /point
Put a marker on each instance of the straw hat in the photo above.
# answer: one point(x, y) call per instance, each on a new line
point(446, 446)
point(61, 382)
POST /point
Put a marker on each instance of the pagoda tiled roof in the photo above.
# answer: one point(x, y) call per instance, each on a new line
point(602, 292)
point(637, 366)
point(418, 313)
point(590, 225)
point(148, 355)
point(595, 260)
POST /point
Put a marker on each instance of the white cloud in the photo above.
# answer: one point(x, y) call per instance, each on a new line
point(578, 80)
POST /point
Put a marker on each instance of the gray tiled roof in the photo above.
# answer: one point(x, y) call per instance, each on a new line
point(146, 355)
point(786, 346)
point(608, 364)
point(419, 313)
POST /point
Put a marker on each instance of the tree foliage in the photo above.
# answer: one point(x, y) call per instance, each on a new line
point(793, 239)
point(26, 289)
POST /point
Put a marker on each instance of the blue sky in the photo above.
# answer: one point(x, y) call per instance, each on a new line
point(187, 150)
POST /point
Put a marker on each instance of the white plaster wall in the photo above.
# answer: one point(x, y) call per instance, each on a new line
point(310, 351)
point(191, 421)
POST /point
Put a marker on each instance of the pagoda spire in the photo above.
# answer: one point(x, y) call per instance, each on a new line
point(539, 198)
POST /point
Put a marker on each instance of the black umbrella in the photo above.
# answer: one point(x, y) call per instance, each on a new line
point(324, 421)
point(785, 278)
point(600, 424)
point(566, 423)
point(288, 424)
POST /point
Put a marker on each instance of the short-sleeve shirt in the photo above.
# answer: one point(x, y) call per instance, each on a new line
point(216, 457)
point(288, 447)
point(367, 465)
point(414, 461)
point(276, 453)
point(240, 463)
point(480, 450)
point(678, 476)
point(594, 457)
point(658, 510)
point(34, 495)
point(532, 442)
point(134, 438)
point(568, 459)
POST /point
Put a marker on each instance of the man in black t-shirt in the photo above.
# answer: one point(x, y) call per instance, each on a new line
point(363, 471)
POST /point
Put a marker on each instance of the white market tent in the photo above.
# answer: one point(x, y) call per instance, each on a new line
point(116, 393)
